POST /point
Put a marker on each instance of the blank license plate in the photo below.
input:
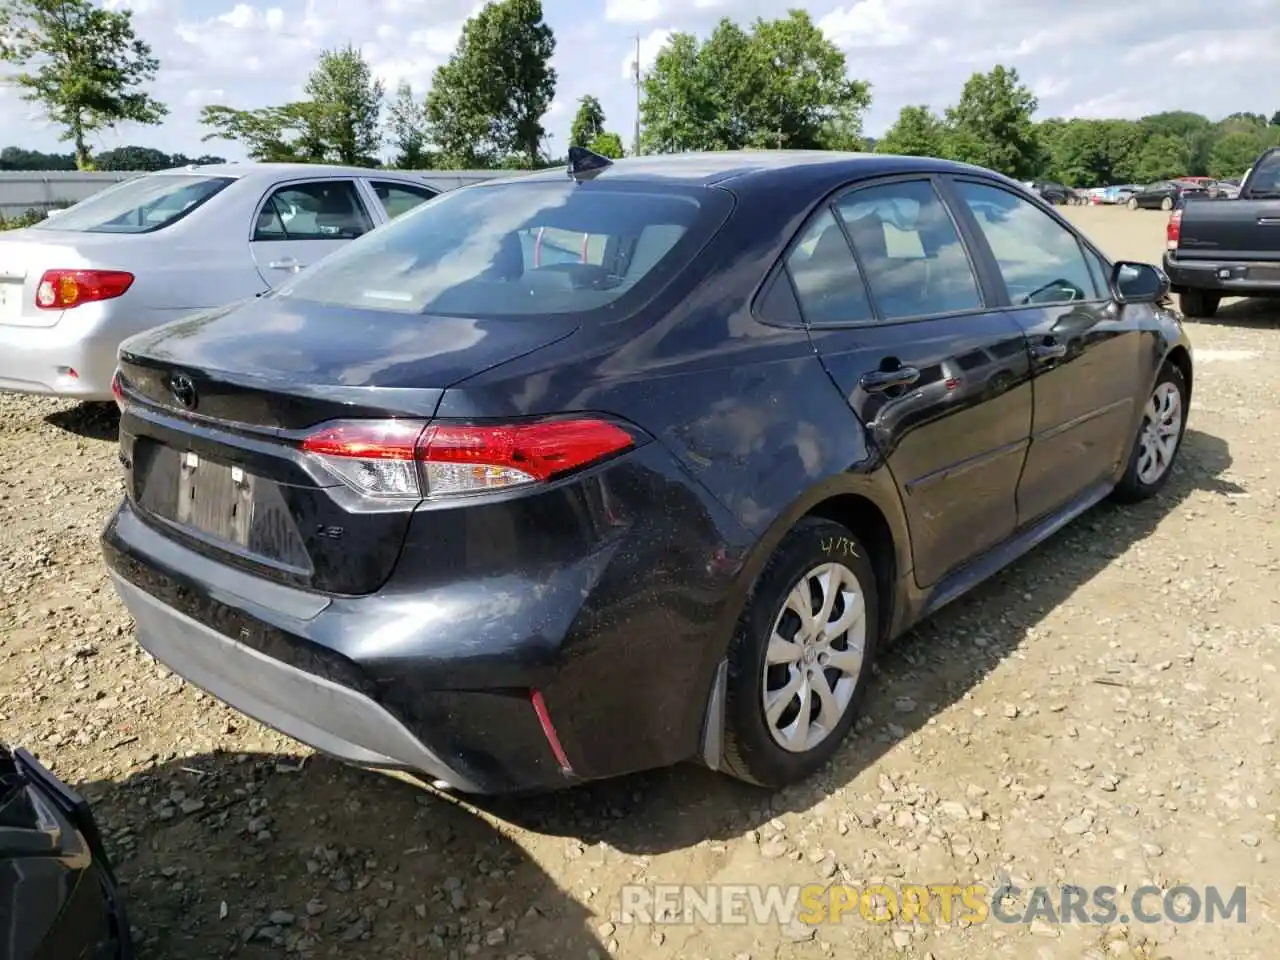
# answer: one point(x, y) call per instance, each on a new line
point(215, 499)
point(10, 299)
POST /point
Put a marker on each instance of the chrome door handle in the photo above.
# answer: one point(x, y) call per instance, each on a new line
point(877, 381)
point(286, 264)
point(1048, 350)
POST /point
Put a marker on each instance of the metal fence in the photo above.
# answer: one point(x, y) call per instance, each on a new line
point(22, 190)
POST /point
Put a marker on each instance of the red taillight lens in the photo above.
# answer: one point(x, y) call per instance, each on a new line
point(64, 289)
point(117, 389)
point(409, 459)
point(1173, 230)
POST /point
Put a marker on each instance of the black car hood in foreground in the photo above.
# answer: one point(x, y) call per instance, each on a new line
point(58, 898)
point(283, 340)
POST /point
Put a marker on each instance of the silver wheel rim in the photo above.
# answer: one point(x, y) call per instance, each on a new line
point(815, 657)
point(1161, 430)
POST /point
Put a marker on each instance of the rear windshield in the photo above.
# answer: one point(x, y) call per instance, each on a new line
point(520, 249)
point(141, 205)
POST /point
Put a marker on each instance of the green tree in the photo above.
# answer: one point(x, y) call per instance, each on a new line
point(806, 80)
point(134, 158)
point(607, 145)
point(1090, 153)
point(15, 158)
point(487, 103)
point(407, 131)
point(1235, 152)
point(287, 134)
point(676, 105)
point(991, 124)
point(87, 66)
point(588, 122)
point(918, 132)
point(1195, 130)
point(347, 105)
point(780, 84)
point(1275, 119)
point(1161, 157)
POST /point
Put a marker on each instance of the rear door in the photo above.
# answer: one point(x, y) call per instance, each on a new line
point(298, 223)
point(1085, 349)
point(938, 377)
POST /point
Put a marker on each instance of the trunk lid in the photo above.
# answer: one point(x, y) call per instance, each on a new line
point(1230, 230)
point(26, 254)
point(212, 453)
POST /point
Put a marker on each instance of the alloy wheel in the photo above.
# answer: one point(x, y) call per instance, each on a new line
point(815, 657)
point(1161, 430)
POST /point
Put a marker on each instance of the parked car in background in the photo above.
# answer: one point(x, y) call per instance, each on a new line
point(1228, 189)
point(158, 247)
point(59, 899)
point(1052, 191)
point(1163, 195)
point(1217, 250)
point(512, 523)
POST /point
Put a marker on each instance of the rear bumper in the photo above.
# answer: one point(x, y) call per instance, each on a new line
point(86, 339)
point(434, 673)
point(1231, 278)
point(333, 718)
point(33, 360)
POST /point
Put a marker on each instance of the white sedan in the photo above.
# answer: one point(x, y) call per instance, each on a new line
point(161, 246)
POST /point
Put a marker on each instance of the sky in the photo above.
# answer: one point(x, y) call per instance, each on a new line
point(1087, 58)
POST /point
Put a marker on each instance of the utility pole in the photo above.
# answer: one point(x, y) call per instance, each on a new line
point(635, 149)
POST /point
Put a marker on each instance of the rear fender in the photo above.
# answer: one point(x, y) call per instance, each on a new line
point(873, 491)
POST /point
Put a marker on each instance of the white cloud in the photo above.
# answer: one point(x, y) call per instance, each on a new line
point(871, 23)
point(1082, 59)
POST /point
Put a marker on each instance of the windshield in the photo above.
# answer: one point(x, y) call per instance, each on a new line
point(141, 205)
point(519, 249)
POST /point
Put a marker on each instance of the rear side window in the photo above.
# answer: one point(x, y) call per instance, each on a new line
point(1265, 177)
point(521, 249)
point(915, 262)
point(826, 277)
point(323, 210)
point(399, 198)
point(143, 205)
point(1040, 260)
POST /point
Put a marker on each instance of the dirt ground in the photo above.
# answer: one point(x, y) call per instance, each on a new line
point(1105, 712)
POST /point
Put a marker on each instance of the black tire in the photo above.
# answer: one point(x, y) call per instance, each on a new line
point(1131, 487)
point(1199, 303)
point(1166, 204)
point(1132, 203)
point(750, 750)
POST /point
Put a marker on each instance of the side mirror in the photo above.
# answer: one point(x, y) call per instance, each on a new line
point(1139, 282)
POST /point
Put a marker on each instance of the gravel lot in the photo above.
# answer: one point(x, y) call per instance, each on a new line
point(1104, 713)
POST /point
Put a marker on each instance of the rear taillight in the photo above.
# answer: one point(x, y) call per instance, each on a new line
point(1173, 230)
point(64, 289)
point(406, 459)
point(117, 389)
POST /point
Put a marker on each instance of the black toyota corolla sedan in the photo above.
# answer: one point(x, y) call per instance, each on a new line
point(609, 467)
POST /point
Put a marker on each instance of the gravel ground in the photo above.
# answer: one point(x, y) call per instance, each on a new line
point(1103, 713)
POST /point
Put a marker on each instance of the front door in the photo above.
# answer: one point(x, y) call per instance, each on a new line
point(298, 223)
point(939, 380)
point(1085, 354)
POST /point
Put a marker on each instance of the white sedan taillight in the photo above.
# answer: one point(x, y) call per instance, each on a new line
point(410, 459)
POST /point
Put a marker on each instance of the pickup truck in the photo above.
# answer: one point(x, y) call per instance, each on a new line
point(1227, 248)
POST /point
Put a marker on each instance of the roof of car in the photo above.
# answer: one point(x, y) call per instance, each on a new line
point(706, 169)
point(275, 171)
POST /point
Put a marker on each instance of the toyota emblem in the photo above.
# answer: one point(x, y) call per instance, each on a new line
point(183, 390)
